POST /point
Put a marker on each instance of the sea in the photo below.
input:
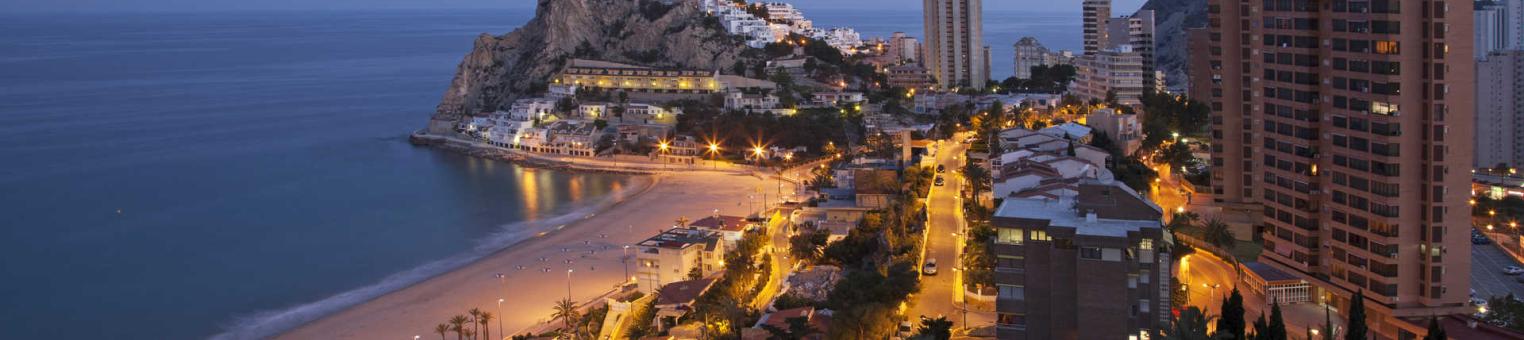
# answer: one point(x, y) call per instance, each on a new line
point(192, 175)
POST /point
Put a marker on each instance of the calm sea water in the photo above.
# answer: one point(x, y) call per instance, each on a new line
point(177, 176)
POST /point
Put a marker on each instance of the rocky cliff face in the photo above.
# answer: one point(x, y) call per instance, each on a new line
point(500, 69)
point(1172, 18)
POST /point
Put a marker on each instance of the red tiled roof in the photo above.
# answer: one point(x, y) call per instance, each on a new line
point(723, 222)
point(682, 292)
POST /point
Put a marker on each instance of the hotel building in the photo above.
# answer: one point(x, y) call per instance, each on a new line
point(615, 76)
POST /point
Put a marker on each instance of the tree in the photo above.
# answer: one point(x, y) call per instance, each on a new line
point(1218, 234)
point(807, 246)
point(1190, 325)
point(1183, 220)
point(934, 329)
point(978, 178)
point(457, 324)
point(695, 274)
point(1277, 323)
point(566, 310)
point(1261, 328)
point(441, 329)
point(1230, 325)
point(476, 315)
point(1357, 329)
point(798, 328)
point(1435, 331)
point(482, 320)
point(470, 334)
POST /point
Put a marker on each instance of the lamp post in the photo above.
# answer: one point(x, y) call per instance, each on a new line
point(663, 147)
point(626, 262)
point(500, 316)
point(714, 150)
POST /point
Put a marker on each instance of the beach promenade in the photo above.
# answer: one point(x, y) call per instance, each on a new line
point(536, 270)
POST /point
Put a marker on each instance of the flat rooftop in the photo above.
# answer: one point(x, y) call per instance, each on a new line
point(1118, 210)
point(678, 238)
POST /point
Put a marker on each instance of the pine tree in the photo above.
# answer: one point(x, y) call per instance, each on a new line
point(1261, 329)
point(1328, 326)
point(1231, 324)
point(1277, 323)
point(1435, 331)
point(1357, 328)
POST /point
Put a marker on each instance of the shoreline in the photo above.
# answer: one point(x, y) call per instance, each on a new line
point(537, 262)
point(276, 323)
point(563, 162)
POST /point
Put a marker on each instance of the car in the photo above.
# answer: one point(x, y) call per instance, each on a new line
point(1513, 270)
point(906, 329)
point(941, 168)
point(939, 181)
point(1478, 301)
point(1480, 240)
point(930, 268)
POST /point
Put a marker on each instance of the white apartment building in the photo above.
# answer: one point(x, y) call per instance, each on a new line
point(671, 255)
point(1118, 71)
point(1500, 109)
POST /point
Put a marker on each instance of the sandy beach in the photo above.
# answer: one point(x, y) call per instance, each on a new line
point(536, 269)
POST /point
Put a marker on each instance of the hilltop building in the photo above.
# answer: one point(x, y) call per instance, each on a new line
point(615, 76)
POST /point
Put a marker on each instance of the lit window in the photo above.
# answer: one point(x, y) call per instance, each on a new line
point(1009, 236)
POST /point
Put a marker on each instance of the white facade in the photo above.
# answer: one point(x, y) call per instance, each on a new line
point(743, 101)
point(1499, 120)
point(1123, 129)
point(1491, 27)
point(954, 47)
point(529, 109)
point(1118, 71)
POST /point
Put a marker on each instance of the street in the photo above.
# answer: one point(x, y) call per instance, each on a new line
point(1201, 271)
point(1487, 278)
point(940, 294)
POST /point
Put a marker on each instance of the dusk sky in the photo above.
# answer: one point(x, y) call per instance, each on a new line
point(1122, 6)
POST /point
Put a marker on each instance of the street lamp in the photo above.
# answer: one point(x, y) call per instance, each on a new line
point(500, 316)
point(663, 146)
point(568, 284)
point(626, 262)
point(714, 150)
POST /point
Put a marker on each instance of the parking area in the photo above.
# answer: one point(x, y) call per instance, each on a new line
point(1487, 277)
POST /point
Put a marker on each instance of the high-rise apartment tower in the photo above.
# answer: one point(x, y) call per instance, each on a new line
point(1347, 125)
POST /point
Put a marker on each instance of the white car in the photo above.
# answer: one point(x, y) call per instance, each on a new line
point(930, 268)
point(1478, 301)
point(1513, 270)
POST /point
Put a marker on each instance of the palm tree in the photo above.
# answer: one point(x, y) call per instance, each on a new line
point(469, 334)
point(457, 324)
point(566, 310)
point(978, 178)
point(482, 319)
point(475, 318)
point(441, 329)
point(1218, 234)
point(1190, 325)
